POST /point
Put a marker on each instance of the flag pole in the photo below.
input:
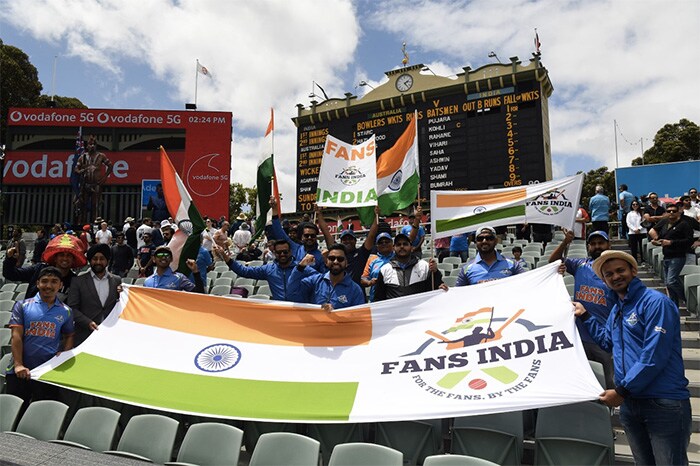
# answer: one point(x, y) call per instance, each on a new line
point(196, 79)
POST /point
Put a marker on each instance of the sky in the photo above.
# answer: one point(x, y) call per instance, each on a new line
point(635, 62)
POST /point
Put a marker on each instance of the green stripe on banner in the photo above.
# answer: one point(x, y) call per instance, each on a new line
point(218, 396)
point(502, 374)
point(450, 380)
point(388, 203)
point(480, 219)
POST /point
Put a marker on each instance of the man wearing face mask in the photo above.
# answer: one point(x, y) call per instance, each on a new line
point(590, 291)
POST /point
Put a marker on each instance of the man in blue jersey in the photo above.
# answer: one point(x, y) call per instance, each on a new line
point(277, 273)
point(415, 232)
point(41, 326)
point(334, 289)
point(599, 207)
point(166, 279)
point(488, 264)
point(590, 291)
point(643, 333)
point(385, 252)
point(307, 232)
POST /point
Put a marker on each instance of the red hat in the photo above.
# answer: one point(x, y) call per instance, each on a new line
point(65, 243)
point(86, 227)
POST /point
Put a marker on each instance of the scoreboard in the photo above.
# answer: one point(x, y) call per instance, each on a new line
point(487, 128)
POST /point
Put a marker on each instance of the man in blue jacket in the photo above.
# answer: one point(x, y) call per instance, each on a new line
point(277, 273)
point(643, 333)
point(334, 289)
point(308, 233)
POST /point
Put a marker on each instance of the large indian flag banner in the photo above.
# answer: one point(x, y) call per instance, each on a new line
point(493, 347)
point(553, 203)
point(348, 175)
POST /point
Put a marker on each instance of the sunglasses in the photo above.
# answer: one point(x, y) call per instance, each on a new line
point(336, 259)
point(284, 252)
point(485, 238)
point(309, 235)
point(674, 211)
point(163, 254)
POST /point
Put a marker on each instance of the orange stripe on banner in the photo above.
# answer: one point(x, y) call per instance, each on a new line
point(169, 182)
point(392, 159)
point(247, 321)
point(474, 200)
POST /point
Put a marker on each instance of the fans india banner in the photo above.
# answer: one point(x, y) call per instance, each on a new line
point(503, 345)
point(348, 174)
point(553, 203)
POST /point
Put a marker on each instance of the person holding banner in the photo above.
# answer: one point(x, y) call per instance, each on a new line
point(333, 289)
point(308, 233)
point(488, 264)
point(643, 333)
point(405, 274)
point(590, 291)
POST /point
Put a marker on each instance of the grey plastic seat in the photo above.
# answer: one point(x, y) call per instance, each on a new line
point(22, 288)
point(7, 295)
point(6, 305)
point(259, 296)
point(415, 439)
point(210, 444)
point(450, 280)
point(456, 261)
point(365, 454)
point(493, 437)
point(456, 460)
point(42, 420)
point(264, 289)
point(4, 365)
point(599, 372)
point(9, 411)
point(579, 433)
point(9, 287)
point(148, 437)
point(227, 281)
point(220, 290)
point(5, 318)
point(240, 281)
point(285, 449)
point(92, 428)
point(331, 435)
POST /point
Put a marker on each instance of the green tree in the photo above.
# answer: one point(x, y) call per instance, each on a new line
point(241, 197)
point(61, 101)
point(19, 82)
point(675, 142)
point(600, 176)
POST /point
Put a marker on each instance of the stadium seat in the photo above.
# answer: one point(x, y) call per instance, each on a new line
point(264, 289)
point(260, 283)
point(415, 439)
point(332, 435)
point(578, 433)
point(220, 290)
point(210, 444)
point(569, 279)
point(5, 337)
point(42, 420)
point(452, 260)
point(227, 281)
point(255, 263)
point(456, 460)
point(7, 295)
point(690, 284)
point(4, 364)
point(139, 281)
point(127, 280)
point(148, 437)
point(445, 268)
point(259, 296)
point(9, 411)
point(450, 280)
point(252, 431)
point(8, 287)
point(365, 454)
point(570, 288)
point(228, 274)
point(493, 437)
point(6, 304)
point(93, 428)
point(597, 369)
point(285, 449)
point(5, 318)
point(244, 281)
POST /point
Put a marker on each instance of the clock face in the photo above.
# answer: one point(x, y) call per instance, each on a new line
point(404, 82)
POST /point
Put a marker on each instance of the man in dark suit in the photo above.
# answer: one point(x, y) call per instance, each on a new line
point(93, 295)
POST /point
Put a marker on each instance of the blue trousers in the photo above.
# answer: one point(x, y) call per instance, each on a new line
point(658, 429)
point(672, 274)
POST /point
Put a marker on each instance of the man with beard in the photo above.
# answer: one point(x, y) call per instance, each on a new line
point(278, 273)
point(643, 333)
point(488, 264)
point(64, 252)
point(405, 274)
point(308, 233)
point(93, 295)
point(122, 257)
point(590, 291)
point(333, 289)
point(654, 212)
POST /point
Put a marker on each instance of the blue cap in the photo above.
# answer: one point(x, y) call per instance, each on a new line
point(347, 232)
point(383, 235)
point(600, 233)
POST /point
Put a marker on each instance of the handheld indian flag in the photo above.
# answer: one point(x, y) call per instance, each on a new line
point(398, 177)
point(181, 208)
point(553, 203)
point(266, 179)
point(398, 359)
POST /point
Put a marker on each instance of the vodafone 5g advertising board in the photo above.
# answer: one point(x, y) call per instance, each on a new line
point(41, 148)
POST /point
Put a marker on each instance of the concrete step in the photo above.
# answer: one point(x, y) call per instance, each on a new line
point(690, 339)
